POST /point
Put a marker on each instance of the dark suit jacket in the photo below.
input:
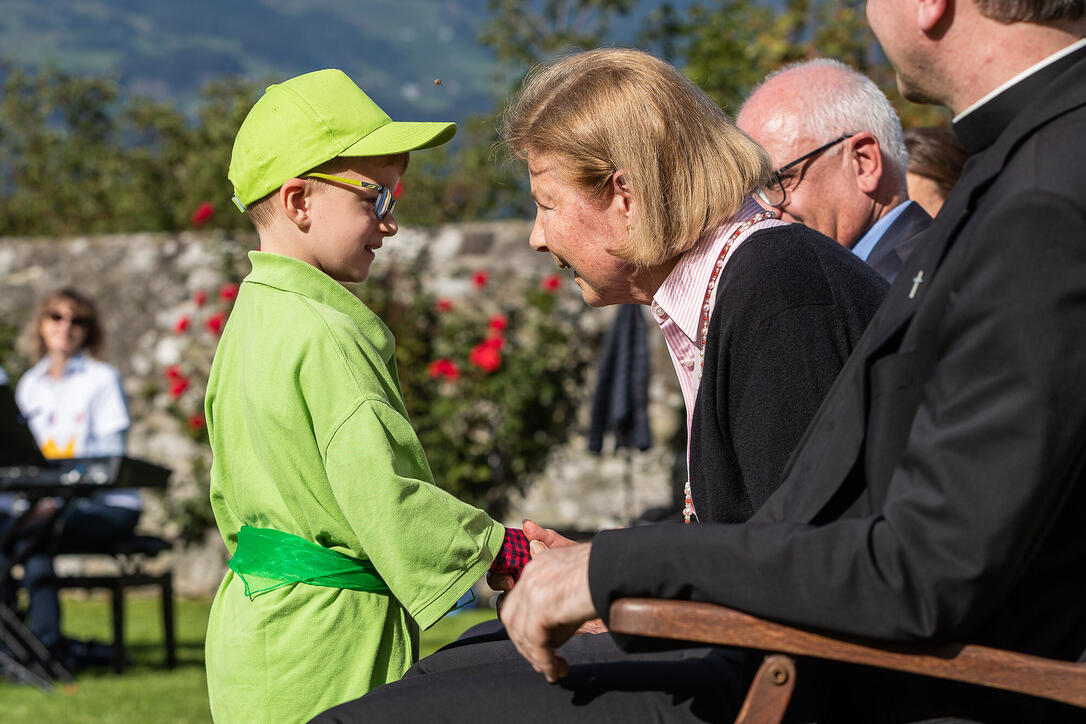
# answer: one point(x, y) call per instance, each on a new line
point(898, 241)
point(940, 492)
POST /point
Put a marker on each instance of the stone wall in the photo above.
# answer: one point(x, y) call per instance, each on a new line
point(144, 283)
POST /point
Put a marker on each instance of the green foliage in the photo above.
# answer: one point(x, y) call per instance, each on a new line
point(527, 31)
point(468, 181)
point(77, 158)
point(184, 385)
point(492, 387)
point(729, 46)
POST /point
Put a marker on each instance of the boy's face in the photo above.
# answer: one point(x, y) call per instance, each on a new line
point(345, 234)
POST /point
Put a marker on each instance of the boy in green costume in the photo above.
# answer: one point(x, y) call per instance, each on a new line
point(342, 547)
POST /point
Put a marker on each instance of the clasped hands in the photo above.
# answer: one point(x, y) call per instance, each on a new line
point(550, 603)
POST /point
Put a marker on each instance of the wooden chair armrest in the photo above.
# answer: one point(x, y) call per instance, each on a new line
point(708, 623)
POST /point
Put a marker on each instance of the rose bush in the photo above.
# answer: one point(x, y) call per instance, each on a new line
point(492, 380)
point(185, 383)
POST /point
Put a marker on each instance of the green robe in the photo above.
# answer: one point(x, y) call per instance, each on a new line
point(311, 437)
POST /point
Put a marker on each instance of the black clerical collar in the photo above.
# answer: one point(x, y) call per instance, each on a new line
point(982, 125)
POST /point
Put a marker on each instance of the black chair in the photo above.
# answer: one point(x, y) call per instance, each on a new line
point(130, 556)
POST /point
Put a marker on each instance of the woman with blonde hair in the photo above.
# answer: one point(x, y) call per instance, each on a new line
point(643, 188)
point(75, 407)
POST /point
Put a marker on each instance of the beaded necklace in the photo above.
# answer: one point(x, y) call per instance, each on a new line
point(688, 503)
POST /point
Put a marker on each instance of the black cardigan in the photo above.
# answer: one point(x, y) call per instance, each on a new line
point(791, 304)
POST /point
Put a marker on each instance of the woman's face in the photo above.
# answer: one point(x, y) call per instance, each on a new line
point(579, 231)
point(63, 328)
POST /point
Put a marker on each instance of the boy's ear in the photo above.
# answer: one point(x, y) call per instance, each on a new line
point(294, 202)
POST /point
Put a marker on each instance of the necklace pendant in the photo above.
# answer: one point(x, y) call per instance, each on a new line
point(688, 507)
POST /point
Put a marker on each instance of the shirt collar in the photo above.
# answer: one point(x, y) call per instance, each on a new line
point(292, 275)
point(980, 124)
point(870, 239)
point(75, 364)
point(692, 272)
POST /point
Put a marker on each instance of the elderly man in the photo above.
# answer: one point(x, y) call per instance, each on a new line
point(840, 159)
point(940, 491)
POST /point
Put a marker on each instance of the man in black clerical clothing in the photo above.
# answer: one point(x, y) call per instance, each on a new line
point(939, 494)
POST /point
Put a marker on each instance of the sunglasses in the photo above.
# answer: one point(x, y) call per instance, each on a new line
point(74, 321)
point(382, 206)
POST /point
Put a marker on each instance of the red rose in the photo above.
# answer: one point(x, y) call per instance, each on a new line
point(181, 324)
point(199, 297)
point(228, 292)
point(551, 283)
point(178, 387)
point(486, 357)
point(215, 323)
point(173, 372)
point(493, 343)
point(480, 279)
point(497, 323)
point(202, 213)
point(398, 191)
point(443, 305)
point(197, 421)
point(445, 368)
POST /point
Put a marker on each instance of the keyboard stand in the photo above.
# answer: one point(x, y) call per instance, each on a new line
point(28, 660)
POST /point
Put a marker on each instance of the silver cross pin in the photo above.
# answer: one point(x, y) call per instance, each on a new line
point(916, 283)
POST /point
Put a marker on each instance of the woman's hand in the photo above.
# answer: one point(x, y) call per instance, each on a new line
point(547, 536)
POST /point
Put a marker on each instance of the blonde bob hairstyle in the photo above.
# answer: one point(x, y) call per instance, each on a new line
point(601, 111)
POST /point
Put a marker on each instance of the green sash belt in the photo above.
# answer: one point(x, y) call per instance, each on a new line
point(266, 559)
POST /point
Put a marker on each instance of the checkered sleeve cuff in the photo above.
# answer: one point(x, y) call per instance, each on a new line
point(513, 555)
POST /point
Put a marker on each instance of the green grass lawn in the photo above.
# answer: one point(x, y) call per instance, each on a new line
point(147, 692)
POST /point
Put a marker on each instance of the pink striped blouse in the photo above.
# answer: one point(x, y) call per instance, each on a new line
point(677, 305)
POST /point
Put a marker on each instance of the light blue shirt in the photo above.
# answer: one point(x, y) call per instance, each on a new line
point(867, 242)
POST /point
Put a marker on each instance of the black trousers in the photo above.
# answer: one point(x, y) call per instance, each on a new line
point(482, 675)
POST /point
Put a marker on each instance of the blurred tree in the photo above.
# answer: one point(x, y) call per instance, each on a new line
point(76, 157)
point(528, 31)
point(469, 180)
point(728, 46)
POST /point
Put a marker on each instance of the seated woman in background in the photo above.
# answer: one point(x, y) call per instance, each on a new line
point(75, 407)
point(936, 158)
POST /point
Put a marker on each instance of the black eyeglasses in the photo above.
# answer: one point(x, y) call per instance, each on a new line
point(773, 193)
point(74, 321)
point(382, 205)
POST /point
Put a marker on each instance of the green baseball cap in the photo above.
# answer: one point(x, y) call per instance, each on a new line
point(299, 124)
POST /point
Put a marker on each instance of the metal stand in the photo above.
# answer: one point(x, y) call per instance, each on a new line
point(28, 661)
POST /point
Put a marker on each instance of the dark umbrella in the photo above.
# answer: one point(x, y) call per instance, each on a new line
point(621, 403)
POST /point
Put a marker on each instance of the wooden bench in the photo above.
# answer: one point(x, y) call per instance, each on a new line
point(769, 693)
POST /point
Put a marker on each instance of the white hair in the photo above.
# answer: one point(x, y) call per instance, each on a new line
point(851, 104)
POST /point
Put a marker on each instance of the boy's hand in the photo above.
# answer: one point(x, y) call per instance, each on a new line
point(499, 582)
